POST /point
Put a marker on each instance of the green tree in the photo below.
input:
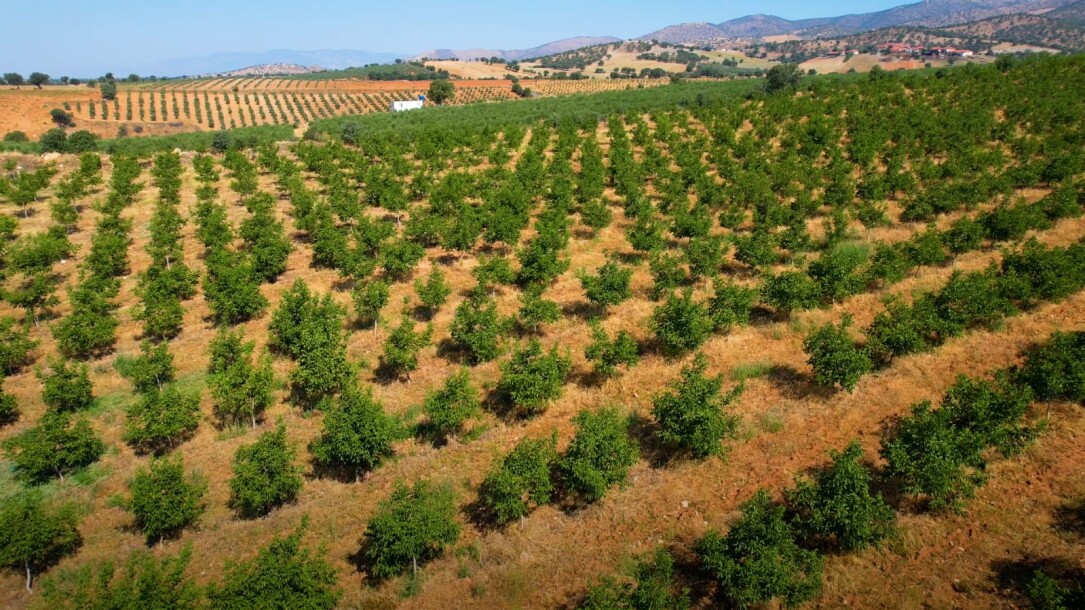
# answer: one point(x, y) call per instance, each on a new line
point(531, 379)
point(606, 354)
point(730, 304)
point(369, 299)
point(265, 475)
point(447, 409)
point(108, 88)
point(693, 414)
point(835, 357)
point(151, 370)
point(681, 325)
point(599, 456)
point(232, 287)
point(164, 500)
point(609, 286)
point(413, 526)
point(357, 434)
point(400, 355)
point(67, 386)
point(441, 91)
point(781, 77)
point(15, 345)
point(434, 291)
point(759, 560)
point(283, 575)
point(241, 388)
point(536, 310)
point(58, 445)
point(476, 327)
point(162, 419)
point(520, 480)
point(790, 291)
point(837, 506)
point(34, 536)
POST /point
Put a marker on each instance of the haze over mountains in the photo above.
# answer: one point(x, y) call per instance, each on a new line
point(927, 13)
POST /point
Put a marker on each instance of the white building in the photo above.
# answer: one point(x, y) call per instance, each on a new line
point(404, 105)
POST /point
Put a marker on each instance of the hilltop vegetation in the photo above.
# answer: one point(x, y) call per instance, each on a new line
point(718, 343)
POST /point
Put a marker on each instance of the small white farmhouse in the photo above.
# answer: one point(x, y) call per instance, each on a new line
point(405, 105)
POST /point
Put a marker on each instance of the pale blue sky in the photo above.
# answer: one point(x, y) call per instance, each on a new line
point(74, 36)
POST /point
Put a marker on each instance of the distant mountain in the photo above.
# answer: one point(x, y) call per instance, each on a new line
point(1071, 12)
point(1036, 30)
point(332, 59)
point(552, 48)
point(272, 70)
point(929, 13)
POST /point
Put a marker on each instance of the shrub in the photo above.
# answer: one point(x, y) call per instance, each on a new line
point(531, 379)
point(837, 507)
point(413, 526)
point(1055, 370)
point(67, 387)
point(790, 291)
point(164, 501)
point(836, 272)
point(606, 355)
point(680, 324)
point(599, 456)
point(232, 288)
point(693, 414)
point(33, 536)
point(730, 305)
point(448, 408)
point(265, 475)
point(536, 310)
point(521, 479)
point(282, 575)
point(759, 561)
point(704, 255)
point(146, 582)
point(162, 419)
point(667, 273)
point(357, 434)
point(609, 286)
point(835, 357)
point(653, 587)
point(757, 249)
point(58, 445)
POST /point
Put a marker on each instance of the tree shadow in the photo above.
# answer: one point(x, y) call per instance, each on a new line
point(1070, 518)
point(585, 310)
point(796, 385)
point(657, 453)
point(336, 472)
point(1015, 576)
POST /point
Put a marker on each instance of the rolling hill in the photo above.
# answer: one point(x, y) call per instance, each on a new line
point(552, 48)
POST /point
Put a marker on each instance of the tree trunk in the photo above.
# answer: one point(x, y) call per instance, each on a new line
point(414, 567)
point(29, 578)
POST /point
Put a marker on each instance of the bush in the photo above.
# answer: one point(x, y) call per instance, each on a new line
point(16, 137)
point(731, 305)
point(282, 575)
point(67, 387)
point(693, 414)
point(15, 346)
point(837, 507)
point(704, 255)
point(242, 390)
point(369, 299)
point(151, 370)
point(449, 408)
point(476, 327)
point(1055, 370)
point(357, 434)
point(681, 325)
point(146, 582)
point(606, 355)
point(599, 456)
point(836, 272)
point(164, 501)
point(521, 479)
point(653, 587)
point(609, 286)
point(54, 140)
point(835, 357)
point(434, 292)
point(759, 561)
point(536, 310)
point(531, 379)
point(33, 536)
point(790, 291)
point(265, 475)
point(58, 445)
point(411, 527)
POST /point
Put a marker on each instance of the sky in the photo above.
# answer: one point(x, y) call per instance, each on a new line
point(87, 37)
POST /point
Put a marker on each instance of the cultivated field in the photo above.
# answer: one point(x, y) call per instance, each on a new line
point(838, 254)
